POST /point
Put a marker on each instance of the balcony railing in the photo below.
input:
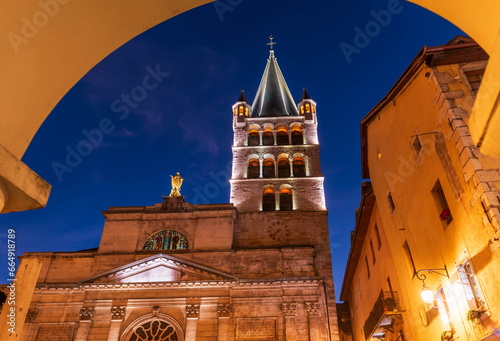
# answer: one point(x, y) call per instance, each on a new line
point(387, 303)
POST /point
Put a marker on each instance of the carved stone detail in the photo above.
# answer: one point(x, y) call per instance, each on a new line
point(312, 308)
point(193, 310)
point(289, 309)
point(87, 313)
point(156, 310)
point(31, 315)
point(224, 310)
point(118, 312)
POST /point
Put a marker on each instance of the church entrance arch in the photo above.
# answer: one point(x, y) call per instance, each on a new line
point(153, 328)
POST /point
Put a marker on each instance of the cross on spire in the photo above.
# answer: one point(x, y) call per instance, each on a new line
point(271, 43)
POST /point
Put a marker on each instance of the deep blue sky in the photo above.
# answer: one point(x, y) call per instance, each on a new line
point(184, 125)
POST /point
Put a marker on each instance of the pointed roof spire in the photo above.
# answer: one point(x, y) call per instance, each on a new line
point(273, 97)
point(305, 95)
point(242, 97)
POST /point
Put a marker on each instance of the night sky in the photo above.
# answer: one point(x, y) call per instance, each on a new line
point(184, 124)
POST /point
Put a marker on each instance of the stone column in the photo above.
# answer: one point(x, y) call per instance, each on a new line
point(261, 165)
point(224, 313)
point(291, 166)
point(86, 316)
point(260, 137)
point(274, 134)
point(312, 311)
point(192, 315)
point(117, 316)
point(304, 135)
point(277, 200)
point(289, 131)
point(289, 312)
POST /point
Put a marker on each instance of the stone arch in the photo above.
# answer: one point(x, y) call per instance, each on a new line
point(286, 197)
point(297, 133)
point(141, 321)
point(253, 135)
point(300, 165)
point(252, 170)
point(56, 47)
point(269, 166)
point(268, 135)
point(284, 170)
point(268, 198)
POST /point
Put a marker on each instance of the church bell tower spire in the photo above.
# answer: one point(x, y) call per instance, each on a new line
point(276, 163)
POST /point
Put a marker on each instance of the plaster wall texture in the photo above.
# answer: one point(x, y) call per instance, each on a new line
point(437, 101)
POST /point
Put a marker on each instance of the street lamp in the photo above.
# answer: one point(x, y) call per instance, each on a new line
point(427, 293)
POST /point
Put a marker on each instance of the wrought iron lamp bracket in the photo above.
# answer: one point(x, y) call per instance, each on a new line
point(421, 276)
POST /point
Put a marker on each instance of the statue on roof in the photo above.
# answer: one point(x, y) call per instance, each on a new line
point(176, 185)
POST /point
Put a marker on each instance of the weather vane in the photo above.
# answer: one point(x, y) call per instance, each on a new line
point(271, 43)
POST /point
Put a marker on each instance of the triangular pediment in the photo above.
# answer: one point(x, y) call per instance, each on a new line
point(159, 268)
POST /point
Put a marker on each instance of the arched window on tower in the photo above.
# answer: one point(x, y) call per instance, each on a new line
point(253, 137)
point(268, 137)
point(282, 136)
point(268, 168)
point(283, 167)
point(286, 203)
point(253, 169)
point(268, 199)
point(299, 167)
point(308, 107)
point(297, 137)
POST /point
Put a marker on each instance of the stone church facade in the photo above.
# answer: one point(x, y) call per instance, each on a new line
point(258, 268)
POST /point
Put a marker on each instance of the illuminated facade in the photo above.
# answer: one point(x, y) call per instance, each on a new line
point(256, 269)
point(432, 204)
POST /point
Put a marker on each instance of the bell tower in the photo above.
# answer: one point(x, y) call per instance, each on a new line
point(276, 164)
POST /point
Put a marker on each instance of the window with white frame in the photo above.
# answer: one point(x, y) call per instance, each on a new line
point(470, 285)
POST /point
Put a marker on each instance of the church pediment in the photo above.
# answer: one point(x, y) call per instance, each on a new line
point(159, 268)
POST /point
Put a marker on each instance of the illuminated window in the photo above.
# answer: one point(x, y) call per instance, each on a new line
point(282, 137)
point(235, 111)
point(246, 111)
point(299, 167)
point(283, 167)
point(268, 138)
point(268, 200)
point(253, 137)
point(166, 240)
point(297, 138)
point(241, 109)
point(268, 168)
point(253, 169)
point(444, 310)
point(308, 107)
point(302, 110)
point(314, 109)
point(154, 330)
point(442, 204)
point(470, 285)
point(286, 203)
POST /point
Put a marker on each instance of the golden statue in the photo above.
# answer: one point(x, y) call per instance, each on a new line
point(176, 185)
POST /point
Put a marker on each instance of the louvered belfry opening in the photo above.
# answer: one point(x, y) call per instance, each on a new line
point(253, 169)
point(283, 167)
point(268, 200)
point(286, 203)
